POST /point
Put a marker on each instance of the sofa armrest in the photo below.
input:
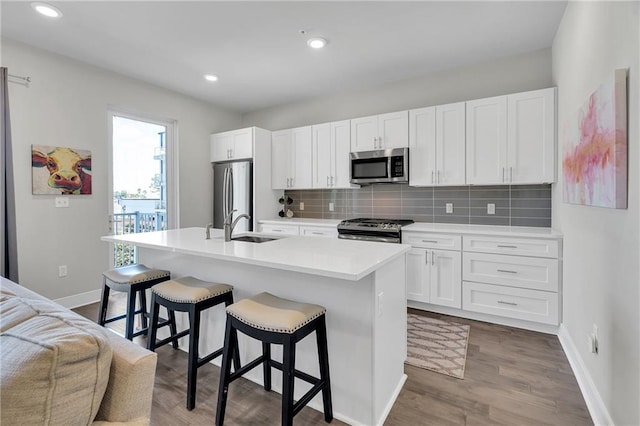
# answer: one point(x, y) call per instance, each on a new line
point(130, 390)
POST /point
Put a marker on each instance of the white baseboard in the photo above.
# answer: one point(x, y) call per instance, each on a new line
point(79, 299)
point(596, 406)
point(392, 401)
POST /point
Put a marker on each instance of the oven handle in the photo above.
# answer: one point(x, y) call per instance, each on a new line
point(369, 238)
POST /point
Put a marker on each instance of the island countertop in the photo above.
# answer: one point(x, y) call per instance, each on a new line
point(330, 257)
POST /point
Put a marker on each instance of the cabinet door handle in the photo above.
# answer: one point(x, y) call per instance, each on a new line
point(276, 230)
point(317, 233)
point(510, 174)
point(502, 302)
point(503, 170)
point(430, 241)
point(438, 177)
point(506, 271)
point(332, 184)
point(433, 256)
point(503, 246)
point(432, 175)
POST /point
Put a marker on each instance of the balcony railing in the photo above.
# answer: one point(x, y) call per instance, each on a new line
point(133, 223)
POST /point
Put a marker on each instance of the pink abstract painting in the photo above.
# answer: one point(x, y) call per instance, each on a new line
point(594, 160)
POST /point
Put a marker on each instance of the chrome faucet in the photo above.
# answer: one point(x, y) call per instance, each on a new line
point(228, 225)
point(208, 231)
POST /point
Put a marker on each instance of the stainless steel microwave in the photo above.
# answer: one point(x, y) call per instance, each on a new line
point(380, 166)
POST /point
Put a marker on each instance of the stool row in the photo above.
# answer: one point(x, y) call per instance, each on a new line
point(264, 317)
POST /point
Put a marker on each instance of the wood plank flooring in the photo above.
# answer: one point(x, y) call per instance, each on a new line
point(512, 377)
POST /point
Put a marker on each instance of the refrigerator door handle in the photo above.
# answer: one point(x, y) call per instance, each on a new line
point(230, 189)
point(225, 207)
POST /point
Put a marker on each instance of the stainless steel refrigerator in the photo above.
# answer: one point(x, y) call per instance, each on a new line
point(233, 189)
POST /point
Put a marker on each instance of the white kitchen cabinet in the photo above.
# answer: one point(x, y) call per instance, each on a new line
point(515, 278)
point(291, 158)
point(279, 229)
point(382, 131)
point(437, 142)
point(331, 145)
point(232, 145)
point(318, 231)
point(434, 275)
point(511, 139)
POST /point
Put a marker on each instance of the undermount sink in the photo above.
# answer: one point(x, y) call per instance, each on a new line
point(253, 239)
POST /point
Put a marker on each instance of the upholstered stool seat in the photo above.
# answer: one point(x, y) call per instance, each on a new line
point(133, 280)
point(274, 320)
point(191, 295)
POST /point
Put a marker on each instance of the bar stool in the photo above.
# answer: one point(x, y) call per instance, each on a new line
point(133, 280)
point(271, 319)
point(191, 295)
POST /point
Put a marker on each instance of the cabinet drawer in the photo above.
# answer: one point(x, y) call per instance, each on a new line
point(529, 305)
point(319, 231)
point(513, 246)
point(279, 229)
point(513, 271)
point(432, 240)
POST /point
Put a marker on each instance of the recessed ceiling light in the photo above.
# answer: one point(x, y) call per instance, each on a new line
point(46, 10)
point(316, 42)
point(211, 77)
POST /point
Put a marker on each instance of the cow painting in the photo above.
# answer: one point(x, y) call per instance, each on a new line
point(58, 170)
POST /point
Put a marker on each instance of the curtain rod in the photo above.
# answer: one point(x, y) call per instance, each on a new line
point(24, 80)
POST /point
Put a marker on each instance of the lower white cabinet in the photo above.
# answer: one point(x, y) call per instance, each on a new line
point(511, 302)
point(279, 229)
point(433, 275)
point(514, 278)
point(319, 231)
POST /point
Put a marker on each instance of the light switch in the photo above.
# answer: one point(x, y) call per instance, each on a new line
point(301, 205)
point(491, 208)
point(331, 205)
point(449, 207)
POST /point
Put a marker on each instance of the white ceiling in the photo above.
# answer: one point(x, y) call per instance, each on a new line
point(260, 56)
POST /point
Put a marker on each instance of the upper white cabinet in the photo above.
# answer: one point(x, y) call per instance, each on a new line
point(291, 158)
point(380, 132)
point(331, 144)
point(510, 139)
point(232, 145)
point(437, 143)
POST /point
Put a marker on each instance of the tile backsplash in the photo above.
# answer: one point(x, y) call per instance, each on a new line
point(521, 205)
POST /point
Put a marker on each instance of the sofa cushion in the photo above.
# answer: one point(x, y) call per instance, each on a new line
point(55, 364)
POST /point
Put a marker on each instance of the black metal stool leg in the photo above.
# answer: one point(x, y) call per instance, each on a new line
point(230, 339)
point(236, 353)
point(192, 372)
point(143, 308)
point(172, 326)
point(323, 358)
point(288, 376)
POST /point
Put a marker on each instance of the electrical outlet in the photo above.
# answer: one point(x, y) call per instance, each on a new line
point(331, 206)
point(449, 207)
point(491, 208)
point(301, 205)
point(62, 201)
point(62, 271)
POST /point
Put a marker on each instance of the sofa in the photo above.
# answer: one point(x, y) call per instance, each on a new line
point(58, 368)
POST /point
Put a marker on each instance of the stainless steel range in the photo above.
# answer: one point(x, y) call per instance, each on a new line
point(383, 230)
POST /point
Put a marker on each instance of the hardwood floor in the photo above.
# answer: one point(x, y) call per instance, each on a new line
point(512, 377)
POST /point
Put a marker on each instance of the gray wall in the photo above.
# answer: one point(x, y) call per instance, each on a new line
point(601, 246)
point(66, 105)
point(517, 73)
point(522, 205)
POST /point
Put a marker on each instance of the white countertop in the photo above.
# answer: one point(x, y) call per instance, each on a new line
point(508, 231)
point(330, 257)
point(300, 221)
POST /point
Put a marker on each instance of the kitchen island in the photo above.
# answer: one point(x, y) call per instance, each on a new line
point(361, 284)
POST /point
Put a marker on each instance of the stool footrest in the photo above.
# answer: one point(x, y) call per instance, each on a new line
point(299, 405)
point(211, 356)
point(297, 373)
point(171, 338)
point(248, 367)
